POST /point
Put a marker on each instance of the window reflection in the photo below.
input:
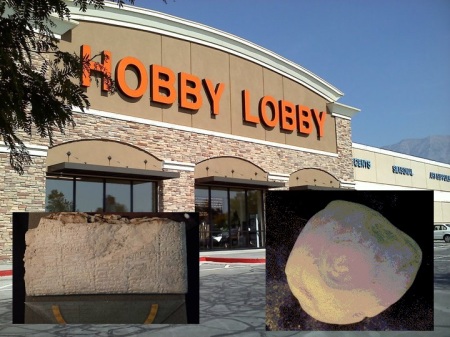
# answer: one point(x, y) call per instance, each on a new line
point(143, 200)
point(59, 195)
point(202, 207)
point(254, 202)
point(89, 195)
point(118, 195)
point(219, 215)
point(236, 217)
point(98, 195)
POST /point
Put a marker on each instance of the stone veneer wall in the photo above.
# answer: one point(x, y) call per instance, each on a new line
point(27, 192)
point(19, 193)
point(178, 194)
point(344, 145)
point(189, 147)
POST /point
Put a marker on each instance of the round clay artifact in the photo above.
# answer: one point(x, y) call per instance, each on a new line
point(349, 262)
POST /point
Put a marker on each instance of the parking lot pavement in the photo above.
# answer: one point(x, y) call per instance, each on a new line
point(441, 288)
point(232, 303)
point(5, 299)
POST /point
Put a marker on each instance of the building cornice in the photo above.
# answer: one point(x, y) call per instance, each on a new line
point(33, 149)
point(342, 110)
point(61, 26)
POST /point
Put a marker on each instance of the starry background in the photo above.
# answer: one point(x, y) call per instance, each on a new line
point(288, 212)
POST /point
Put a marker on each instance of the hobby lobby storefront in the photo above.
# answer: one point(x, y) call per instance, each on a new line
point(201, 121)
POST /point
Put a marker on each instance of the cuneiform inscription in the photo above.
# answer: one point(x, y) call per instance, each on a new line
point(73, 253)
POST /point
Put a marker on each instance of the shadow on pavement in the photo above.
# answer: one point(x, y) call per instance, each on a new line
point(232, 303)
point(442, 281)
point(5, 311)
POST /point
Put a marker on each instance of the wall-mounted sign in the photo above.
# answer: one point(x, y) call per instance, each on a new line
point(161, 82)
point(439, 176)
point(362, 163)
point(402, 170)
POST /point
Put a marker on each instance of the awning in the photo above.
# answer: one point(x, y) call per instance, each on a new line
point(236, 182)
point(312, 188)
point(110, 171)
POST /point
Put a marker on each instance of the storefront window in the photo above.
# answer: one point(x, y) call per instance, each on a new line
point(143, 196)
point(86, 194)
point(229, 217)
point(59, 195)
point(117, 196)
point(89, 195)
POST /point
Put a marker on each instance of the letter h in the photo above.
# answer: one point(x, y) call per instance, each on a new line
point(87, 65)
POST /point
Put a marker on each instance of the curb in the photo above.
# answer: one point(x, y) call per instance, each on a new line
point(231, 260)
point(5, 273)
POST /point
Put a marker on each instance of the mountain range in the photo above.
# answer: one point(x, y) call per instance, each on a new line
point(433, 147)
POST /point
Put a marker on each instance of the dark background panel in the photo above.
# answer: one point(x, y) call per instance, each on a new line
point(287, 213)
point(22, 221)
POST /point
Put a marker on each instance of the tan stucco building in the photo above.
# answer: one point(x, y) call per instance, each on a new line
point(378, 169)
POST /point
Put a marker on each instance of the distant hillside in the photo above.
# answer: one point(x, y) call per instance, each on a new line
point(434, 148)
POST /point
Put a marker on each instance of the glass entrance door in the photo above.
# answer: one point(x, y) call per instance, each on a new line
point(230, 218)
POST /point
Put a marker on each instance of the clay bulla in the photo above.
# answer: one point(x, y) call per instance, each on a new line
point(349, 263)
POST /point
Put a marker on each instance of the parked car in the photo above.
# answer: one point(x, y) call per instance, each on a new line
point(442, 232)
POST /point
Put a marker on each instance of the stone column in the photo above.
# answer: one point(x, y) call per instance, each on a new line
point(178, 195)
point(20, 193)
point(344, 147)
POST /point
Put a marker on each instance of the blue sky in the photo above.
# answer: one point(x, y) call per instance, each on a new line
point(390, 58)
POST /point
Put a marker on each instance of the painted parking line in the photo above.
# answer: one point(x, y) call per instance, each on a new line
point(7, 287)
point(440, 257)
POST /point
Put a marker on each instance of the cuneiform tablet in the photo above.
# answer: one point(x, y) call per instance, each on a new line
point(73, 253)
point(349, 262)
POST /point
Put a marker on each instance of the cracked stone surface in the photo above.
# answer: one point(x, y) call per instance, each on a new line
point(74, 253)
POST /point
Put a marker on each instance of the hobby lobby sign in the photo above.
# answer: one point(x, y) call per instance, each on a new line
point(161, 82)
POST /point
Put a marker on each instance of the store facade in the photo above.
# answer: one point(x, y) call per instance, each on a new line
point(201, 121)
point(379, 169)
